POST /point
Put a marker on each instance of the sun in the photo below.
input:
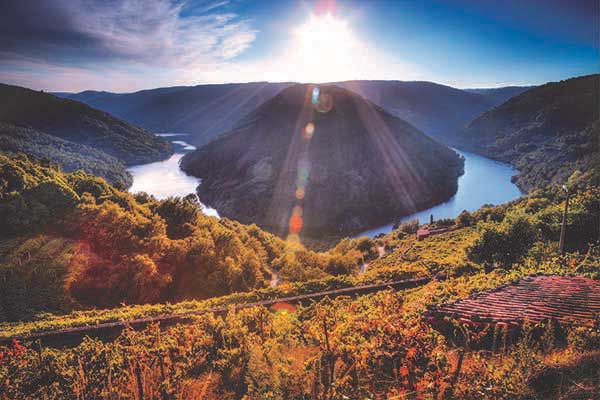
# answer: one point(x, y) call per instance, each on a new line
point(324, 49)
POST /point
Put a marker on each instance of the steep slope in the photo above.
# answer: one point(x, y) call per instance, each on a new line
point(79, 123)
point(70, 156)
point(499, 95)
point(547, 132)
point(204, 111)
point(325, 161)
point(437, 110)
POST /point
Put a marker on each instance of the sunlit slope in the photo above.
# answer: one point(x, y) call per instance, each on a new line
point(322, 161)
point(70, 241)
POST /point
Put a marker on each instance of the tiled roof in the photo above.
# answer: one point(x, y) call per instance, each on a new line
point(535, 298)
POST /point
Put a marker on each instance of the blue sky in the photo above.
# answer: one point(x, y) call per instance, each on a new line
point(126, 45)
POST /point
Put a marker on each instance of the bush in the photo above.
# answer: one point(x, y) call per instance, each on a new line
point(409, 227)
point(503, 244)
point(465, 218)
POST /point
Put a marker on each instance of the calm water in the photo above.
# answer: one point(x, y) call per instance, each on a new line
point(164, 178)
point(485, 181)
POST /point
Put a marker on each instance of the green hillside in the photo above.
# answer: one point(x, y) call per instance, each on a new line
point(69, 155)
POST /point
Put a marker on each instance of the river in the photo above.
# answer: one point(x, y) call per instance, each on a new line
point(485, 181)
point(164, 178)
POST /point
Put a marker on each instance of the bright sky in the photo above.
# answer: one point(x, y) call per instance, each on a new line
point(126, 45)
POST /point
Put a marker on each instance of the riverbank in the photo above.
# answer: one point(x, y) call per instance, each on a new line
point(163, 179)
point(485, 181)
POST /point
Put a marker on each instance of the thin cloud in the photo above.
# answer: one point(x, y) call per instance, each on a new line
point(100, 38)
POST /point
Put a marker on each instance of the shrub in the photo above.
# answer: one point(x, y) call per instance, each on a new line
point(503, 244)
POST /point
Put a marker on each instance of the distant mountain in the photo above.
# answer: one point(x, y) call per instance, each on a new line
point(206, 111)
point(325, 159)
point(69, 155)
point(547, 132)
point(203, 111)
point(79, 123)
point(499, 95)
point(435, 109)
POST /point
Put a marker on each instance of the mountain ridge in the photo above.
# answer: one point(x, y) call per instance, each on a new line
point(187, 109)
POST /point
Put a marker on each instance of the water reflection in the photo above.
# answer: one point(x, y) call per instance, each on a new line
point(485, 181)
point(164, 178)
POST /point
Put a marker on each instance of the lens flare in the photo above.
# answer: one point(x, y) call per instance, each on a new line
point(309, 130)
point(314, 98)
point(295, 224)
point(297, 210)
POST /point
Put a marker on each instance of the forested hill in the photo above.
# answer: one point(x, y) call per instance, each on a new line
point(547, 133)
point(79, 123)
point(345, 162)
point(72, 241)
point(69, 155)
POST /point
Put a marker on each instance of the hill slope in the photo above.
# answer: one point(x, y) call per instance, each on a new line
point(70, 156)
point(499, 95)
point(203, 111)
point(77, 122)
point(547, 132)
point(435, 109)
point(346, 162)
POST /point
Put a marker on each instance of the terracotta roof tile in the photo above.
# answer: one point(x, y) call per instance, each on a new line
point(534, 298)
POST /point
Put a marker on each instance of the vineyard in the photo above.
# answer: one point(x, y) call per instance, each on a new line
point(350, 334)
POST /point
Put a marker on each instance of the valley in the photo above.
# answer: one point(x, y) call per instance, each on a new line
point(124, 269)
point(163, 179)
point(299, 200)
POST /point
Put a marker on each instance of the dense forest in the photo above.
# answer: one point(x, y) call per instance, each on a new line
point(71, 240)
point(74, 135)
point(69, 155)
point(547, 132)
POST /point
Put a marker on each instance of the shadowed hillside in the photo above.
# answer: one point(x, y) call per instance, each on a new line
point(206, 111)
point(437, 110)
point(203, 111)
point(325, 163)
point(547, 133)
point(499, 95)
point(70, 156)
point(79, 123)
